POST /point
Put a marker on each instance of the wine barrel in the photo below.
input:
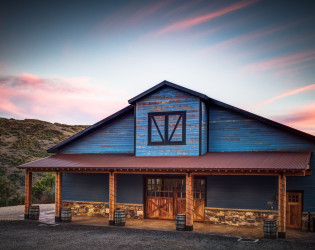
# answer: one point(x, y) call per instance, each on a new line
point(66, 215)
point(33, 212)
point(270, 229)
point(181, 222)
point(120, 218)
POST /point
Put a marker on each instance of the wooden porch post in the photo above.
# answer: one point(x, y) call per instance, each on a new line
point(58, 195)
point(112, 196)
point(282, 206)
point(28, 193)
point(189, 201)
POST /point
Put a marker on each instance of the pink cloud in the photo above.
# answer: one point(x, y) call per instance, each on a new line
point(129, 15)
point(147, 11)
point(187, 23)
point(57, 99)
point(183, 7)
point(242, 39)
point(302, 119)
point(280, 62)
point(289, 93)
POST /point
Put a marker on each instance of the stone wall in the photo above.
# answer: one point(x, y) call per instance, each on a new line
point(239, 217)
point(308, 221)
point(132, 211)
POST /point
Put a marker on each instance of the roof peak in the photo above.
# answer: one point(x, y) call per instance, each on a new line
point(166, 83)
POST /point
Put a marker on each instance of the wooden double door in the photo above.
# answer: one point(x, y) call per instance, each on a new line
point(166, 197)
point(294, 209)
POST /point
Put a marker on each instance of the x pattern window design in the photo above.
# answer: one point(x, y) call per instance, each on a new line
point(167, 128)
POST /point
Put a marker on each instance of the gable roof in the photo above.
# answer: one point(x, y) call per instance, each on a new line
point(263, 119)
point(205, 98)
point(167, 84)
point(92, 128)
point(210, 101)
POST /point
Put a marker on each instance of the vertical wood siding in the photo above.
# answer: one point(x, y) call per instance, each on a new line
point(85, 187)
point(168, 99)
point(204, 128)
point(244, 192)
point(116, 137)
point(230, 131)
point(305, 184)
point(130, 188)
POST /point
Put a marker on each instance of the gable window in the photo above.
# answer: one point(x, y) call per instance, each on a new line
point(167, 128)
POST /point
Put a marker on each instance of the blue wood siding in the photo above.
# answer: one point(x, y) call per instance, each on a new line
point(230, 131)
point(116, 137)
point(168, 99)
point(305, 184)
point(85, 187)
point(204, 128)
point(243, 192)
point(130, 188)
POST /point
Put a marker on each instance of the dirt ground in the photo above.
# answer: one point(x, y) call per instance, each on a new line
point(17, 212)
point(95, 233)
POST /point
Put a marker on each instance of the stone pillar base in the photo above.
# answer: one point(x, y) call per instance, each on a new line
point(57, 219)
point(111, 222)
point(26, 216)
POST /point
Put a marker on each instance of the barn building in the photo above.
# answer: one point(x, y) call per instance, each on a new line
point(174, 151)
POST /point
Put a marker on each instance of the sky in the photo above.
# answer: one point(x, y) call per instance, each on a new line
point(76, 62)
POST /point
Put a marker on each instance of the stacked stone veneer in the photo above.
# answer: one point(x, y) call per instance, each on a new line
point(308, 221)
point(239, 217)
point(132, 211)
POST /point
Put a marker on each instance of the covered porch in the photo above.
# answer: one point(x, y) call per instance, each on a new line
point(279, 164)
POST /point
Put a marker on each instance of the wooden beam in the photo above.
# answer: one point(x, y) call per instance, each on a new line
point(282, 194)
point(112, 196)
point(189, 201)
point(28, 193)
point(58, 195)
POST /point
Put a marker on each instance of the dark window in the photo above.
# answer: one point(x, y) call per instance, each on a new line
point(167, 128)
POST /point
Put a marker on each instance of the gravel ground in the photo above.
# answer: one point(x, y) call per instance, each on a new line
point(35, 235)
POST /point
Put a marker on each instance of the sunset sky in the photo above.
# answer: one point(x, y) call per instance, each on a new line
point(77, 62)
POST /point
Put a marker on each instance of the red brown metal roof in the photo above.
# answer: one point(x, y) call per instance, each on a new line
point(208, 161)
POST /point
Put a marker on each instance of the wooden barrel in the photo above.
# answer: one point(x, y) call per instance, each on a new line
point(181, 222)
point(120, 218)
point(270, 229)
point(33, 212)
point(65, 215)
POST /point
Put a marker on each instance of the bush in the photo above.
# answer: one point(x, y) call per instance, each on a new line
point(9, 195)
point(44, 189)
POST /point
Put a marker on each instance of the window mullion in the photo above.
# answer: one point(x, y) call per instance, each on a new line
point(166, 128)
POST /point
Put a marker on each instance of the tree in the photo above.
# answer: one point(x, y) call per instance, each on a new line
point(44, 189)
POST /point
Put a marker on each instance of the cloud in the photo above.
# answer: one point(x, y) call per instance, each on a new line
point(280, 62)
point(302, 118)
point(292, 92)
point(129, 15)
point(253, 35)
point(187, 23)
point(58, 99)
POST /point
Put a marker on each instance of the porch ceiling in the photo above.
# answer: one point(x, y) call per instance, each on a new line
point(247, 161)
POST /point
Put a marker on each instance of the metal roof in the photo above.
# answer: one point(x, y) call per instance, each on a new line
point(209, 161)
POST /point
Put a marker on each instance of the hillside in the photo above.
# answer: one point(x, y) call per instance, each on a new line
point(23, 141)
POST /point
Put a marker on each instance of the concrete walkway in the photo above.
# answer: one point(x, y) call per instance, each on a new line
point(47, 216)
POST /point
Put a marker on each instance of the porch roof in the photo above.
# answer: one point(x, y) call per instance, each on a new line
point(279, 161)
